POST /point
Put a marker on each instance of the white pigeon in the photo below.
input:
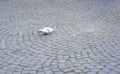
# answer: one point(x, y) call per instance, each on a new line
point(46, 30)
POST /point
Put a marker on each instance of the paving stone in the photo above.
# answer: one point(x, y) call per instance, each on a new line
point(59, 73)
point(16, 73)
point(2, 71)
point(91, 73)
point(113, 72)
point(40, 73)
point(70, 73)
point(86, 37)
point(102, 72)
point(32, 72)
point(55, 68)
point(48, 72)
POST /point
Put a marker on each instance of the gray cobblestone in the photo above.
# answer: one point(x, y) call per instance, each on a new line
point(102, 73)
point(86, 39)
point(32, 72)
point(59, 73)
point(17, 72)
point(48, 72)
point(91, 73)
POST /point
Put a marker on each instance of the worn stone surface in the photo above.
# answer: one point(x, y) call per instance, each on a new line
point(86, 38)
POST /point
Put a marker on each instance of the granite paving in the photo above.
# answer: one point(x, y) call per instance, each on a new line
point(86, 39)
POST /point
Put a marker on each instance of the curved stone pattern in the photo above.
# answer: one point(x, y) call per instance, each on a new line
point(86, 38)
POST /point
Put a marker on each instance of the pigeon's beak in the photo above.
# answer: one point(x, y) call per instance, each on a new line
point(39, 31)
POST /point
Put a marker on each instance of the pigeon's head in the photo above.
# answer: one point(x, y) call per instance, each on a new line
point(40, 31)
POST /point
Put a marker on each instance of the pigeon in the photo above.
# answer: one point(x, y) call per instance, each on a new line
point(46, 30)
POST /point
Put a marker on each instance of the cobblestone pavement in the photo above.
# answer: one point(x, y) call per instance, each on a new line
point(86, 38)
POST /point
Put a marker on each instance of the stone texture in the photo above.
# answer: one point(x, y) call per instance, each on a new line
point(86, 38)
